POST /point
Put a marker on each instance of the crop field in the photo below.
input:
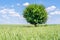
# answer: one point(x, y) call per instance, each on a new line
point(29, 32)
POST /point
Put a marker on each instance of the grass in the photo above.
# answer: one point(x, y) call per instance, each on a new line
point(21, 32)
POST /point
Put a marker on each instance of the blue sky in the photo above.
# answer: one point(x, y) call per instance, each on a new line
point(11, 11)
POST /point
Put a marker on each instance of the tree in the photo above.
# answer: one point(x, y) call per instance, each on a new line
point(35, 14)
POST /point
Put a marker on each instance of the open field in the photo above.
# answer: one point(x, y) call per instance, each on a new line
point(21, 32)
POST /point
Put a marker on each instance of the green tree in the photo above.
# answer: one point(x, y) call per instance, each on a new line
point(35, 14)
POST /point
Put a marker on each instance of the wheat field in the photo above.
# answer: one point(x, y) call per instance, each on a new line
point(29, 32)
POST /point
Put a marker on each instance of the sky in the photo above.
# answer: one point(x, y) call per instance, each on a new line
point(11, 11)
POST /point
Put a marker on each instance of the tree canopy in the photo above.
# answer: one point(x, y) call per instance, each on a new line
point(35, 14)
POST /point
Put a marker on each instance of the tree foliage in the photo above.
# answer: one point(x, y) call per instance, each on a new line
point(35, 14)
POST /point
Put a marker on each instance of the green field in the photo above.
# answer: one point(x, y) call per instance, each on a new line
point(29, 32)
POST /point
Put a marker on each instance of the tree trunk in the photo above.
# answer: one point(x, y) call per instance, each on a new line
point(35, 25)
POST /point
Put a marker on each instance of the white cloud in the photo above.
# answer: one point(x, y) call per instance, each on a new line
point(8, 15)
point(55, 12)
point(3, 11)
point(8, 11)
point(26, 4)
point(51, 8)
point(11, 12)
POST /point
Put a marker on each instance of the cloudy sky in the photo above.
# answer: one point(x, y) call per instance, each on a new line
point(11, 11)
